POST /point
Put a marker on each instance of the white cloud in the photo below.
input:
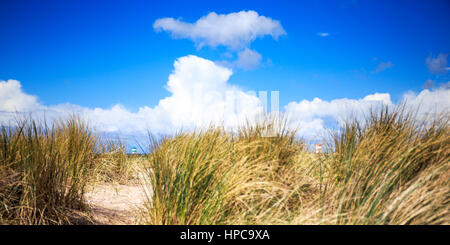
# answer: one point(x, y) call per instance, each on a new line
point(234, 30)
point(323, 34)
point(383, 66)
point(201, 95)
point(12, 98)
point(429, 101)
point(310, 116)
point(438, 64)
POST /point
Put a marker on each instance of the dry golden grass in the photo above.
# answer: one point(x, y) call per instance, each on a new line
point(392, 168)
point(44, 171)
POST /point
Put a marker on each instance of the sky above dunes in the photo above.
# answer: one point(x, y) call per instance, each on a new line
point(133, 66)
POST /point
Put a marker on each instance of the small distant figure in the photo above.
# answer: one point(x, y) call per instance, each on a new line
point(133, 150)
point(318, 148)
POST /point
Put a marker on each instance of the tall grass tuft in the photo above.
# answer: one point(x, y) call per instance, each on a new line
point(391, 168)
point(387, 159)
point(215, 177)
point(44, 170)
point(187, 175)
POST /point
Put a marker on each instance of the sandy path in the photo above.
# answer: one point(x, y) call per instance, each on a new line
point(115, 204)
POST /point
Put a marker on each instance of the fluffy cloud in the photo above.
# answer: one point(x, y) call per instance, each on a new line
point(310, 116)
point(438, 64)
point(234, 30)
point(13, 99)
point(383, 66)
point(201, 96)
point(429, 101)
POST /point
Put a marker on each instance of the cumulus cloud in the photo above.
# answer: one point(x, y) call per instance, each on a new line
point(429, 101)
point(234, 30)
point(383, 66)
point(200, 95)
point(12, 98)
point(310, 116)
point(438, 64)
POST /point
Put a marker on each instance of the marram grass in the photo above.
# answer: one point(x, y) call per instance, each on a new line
point(392, 167)
point(44, 170)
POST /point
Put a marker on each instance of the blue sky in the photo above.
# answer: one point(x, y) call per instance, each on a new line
point(104, 53)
